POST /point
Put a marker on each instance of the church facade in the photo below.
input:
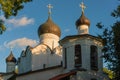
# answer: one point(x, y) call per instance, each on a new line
point(75, 57)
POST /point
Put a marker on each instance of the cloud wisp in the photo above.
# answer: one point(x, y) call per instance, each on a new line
point(23, 21)
point(20, 43)
point(66, 30)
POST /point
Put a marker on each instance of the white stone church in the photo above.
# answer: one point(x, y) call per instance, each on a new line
point(75, 57)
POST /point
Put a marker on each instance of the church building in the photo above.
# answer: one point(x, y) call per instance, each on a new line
point(75, 57)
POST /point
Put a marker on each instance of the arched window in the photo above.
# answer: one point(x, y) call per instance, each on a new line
point(78, 59)
point(93, 58)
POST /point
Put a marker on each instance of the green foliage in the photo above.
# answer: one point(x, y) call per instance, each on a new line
point(99, 25)
point(108, 72)
point(2, 27)
point(11, 7)
point(116, 13)
point(111, 39)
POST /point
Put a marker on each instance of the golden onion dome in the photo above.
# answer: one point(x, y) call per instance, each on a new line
point(82, 20)
point(49, 27)
point(11, 58)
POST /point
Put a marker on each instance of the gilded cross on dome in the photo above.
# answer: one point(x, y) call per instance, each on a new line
point(82, 6)
point(49, 8)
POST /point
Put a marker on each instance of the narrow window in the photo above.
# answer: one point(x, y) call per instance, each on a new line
point(94, 58)
point(78, 59)
point(65, 52)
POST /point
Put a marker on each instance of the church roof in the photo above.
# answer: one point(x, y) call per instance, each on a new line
point(82, 20)
point(8, 73)
point(61, 76)
point(40, 70)
point(49, 27)
point(11, 58)
point(80, 36)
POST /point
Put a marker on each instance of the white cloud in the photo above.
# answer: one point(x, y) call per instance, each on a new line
point(21, 43)
point(20, 22)
point(1, 48)
point(67, 30)
point(2, 17)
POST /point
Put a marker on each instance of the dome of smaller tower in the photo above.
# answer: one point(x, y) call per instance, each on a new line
point(49, 27)
point(82, 20)
point(11, 58)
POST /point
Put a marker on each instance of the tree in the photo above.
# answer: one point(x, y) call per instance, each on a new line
point(2, 26)
point(108, 72)
point(111, 41)
point(10, 8)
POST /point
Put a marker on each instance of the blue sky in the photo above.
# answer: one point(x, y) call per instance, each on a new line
point(22, 29)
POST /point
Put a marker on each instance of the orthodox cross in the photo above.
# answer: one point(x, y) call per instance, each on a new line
point(82, 6)
point(49, 8)
point(11, 47)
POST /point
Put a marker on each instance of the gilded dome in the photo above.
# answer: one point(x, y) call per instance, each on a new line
point(11, 58)
point(49, 27)
point(82, 20)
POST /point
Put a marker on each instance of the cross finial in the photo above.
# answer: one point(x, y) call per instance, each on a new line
point(49, 8)
point(11, 47)
point(82, 6)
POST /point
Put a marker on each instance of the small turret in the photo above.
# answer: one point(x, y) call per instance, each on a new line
point(82, 24)
point(11, 63)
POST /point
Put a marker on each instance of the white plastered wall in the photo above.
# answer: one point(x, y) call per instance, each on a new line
point(83, 29)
